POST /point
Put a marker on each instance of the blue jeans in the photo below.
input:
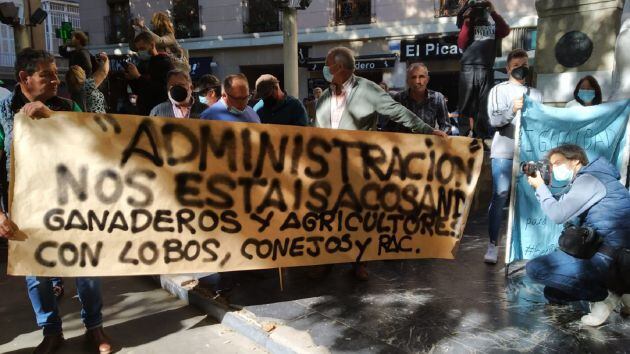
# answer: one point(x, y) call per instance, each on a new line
point(501, 180)
point(570, 278)
point(45, 304)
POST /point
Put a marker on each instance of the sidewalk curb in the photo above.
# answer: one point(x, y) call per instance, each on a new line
point(270, 335)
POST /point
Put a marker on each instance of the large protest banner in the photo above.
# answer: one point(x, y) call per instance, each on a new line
point(601, 130)
point(120, 195)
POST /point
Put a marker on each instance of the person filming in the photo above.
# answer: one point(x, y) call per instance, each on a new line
point(593, 200)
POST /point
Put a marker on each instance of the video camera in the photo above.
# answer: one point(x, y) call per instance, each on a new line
point(542, 166)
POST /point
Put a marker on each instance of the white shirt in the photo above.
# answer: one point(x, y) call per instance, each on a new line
point(338, 102)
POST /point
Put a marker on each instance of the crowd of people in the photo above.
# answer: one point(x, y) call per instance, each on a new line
point(161, 86)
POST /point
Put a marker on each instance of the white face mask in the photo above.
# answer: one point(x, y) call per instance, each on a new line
point(327, 74)
point(562, 173)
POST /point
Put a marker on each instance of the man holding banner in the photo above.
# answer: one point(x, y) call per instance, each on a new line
point(504, 108)
point(36, 96)
point(353, 103)
point(596, 199)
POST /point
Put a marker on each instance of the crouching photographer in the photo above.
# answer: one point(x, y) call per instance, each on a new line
point(595, 208)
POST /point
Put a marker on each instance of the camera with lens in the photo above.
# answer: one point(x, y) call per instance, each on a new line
point(542, 166)
point(479, 10)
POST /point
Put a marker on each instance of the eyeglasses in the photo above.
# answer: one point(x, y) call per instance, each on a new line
point(241, 99)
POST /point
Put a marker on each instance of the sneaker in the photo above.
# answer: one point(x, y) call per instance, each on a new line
point(625, 305)
point(492, 254)
point(601, 310)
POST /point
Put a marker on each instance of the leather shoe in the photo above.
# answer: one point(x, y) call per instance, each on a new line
point(98, 340)
point(50, 344)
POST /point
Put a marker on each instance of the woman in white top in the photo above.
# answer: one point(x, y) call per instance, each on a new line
point(586, 93)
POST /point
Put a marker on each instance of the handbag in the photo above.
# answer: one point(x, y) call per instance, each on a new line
point(579, 241)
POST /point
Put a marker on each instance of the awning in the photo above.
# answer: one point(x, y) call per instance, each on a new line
point(362, 62)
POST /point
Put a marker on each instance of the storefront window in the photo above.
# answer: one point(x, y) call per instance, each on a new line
point(353, 12)
point(261, 16)
point(186, 18)
point(446, 8)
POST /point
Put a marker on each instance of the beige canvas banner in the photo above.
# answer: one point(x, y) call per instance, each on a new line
point(119, 195)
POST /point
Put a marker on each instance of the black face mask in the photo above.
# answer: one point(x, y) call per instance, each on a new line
point(520, 73)
point(178, 93)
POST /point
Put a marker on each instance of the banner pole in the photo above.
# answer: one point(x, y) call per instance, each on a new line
point(515, 171)
point(281, 279)
point(626, 156)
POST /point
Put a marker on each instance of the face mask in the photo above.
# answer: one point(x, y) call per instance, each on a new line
point(327, 74)
point(236, 111)
point(178, 94)
point(587, 96)
point(203, 99)
point(144, 55)
point(520, 73)
point(562, 173)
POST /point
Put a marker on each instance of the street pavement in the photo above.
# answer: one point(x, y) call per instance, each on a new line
point(139, 316)
point(417, 306)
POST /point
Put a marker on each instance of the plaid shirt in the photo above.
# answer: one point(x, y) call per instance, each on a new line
point(432, 110)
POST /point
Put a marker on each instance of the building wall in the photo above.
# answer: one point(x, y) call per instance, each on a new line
point(93, 20)
point(392, 20)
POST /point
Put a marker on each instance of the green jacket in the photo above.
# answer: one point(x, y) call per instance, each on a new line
point(366, 101)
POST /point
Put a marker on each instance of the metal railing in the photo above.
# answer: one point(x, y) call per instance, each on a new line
point(447, 8)
point(117, 29)
point(261, 16)
point(353, 12)
point(188, 25)
point(7, 59)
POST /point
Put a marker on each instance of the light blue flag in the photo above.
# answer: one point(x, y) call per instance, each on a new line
point(600, 130)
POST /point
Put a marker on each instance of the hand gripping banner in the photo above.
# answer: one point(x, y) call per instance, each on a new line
point(97, 195)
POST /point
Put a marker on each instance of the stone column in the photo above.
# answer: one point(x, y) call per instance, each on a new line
point(621, 76)
point(575, 38)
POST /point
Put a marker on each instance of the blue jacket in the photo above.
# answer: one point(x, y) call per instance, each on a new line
point(610, 217)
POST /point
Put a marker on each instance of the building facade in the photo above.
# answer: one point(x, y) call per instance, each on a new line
point(58, 11)
point(230, 36)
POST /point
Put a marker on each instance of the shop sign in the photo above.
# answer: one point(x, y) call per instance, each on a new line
point(430, 48)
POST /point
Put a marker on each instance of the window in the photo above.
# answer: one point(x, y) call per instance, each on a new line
point(261, 16)
point(7, 46)
point(118, 23)
point(524, 38)
point(353, 12)
point(186, 14)
point(447, 8)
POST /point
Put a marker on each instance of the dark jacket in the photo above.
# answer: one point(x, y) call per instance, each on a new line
point(151, 86)
point(165, 109)
point(82, 58)
point(288, 112)
point(610, 217)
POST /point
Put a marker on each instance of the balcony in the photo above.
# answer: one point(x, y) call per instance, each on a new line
point(117, 29)
point(186, 15)
point(447, 8)
point(353, 12)
point(261, 16)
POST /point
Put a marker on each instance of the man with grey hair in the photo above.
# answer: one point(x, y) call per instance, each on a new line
point(181, 102)
point(427, 104)
point(353, 103)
